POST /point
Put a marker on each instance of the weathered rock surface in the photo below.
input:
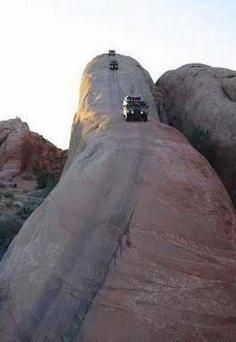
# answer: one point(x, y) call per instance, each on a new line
point(24, 151)
point(135, 243)
point(26, 159)
point(199, 95)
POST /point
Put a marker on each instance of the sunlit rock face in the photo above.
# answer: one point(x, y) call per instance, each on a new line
point(23, 151)
point(198, 95)
point(135, 243)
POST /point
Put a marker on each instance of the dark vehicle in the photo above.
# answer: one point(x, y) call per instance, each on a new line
point(135, 108)
point(111, 53)
point(114, 65)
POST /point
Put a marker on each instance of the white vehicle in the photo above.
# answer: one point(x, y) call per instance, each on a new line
point(135, 108)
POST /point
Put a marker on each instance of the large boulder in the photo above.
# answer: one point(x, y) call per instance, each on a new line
point(137, 240)
point(201, 102)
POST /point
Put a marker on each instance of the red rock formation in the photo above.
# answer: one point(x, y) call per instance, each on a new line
point(24, 151)
point(27, 162)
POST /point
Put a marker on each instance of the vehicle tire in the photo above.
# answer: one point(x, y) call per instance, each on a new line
point(127, 118)
point(145, 118)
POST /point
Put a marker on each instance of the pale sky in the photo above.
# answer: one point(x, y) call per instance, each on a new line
point(46, 44)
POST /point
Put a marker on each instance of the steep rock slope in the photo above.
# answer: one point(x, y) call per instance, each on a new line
point(199, 96)
point(136, 242)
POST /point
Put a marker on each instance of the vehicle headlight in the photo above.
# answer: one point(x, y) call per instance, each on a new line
point(132, 112)
point(142, 111)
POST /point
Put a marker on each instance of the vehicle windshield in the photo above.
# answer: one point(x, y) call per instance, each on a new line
point(133, 105)
point(136, 104)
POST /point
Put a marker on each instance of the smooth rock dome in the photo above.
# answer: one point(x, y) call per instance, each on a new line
point(197, 95)
point(135, 243)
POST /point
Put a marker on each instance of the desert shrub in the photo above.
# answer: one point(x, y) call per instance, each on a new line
point(26, 210)
point(52, 182)
point(25, 191)
point(176, 122)
point(27, 177)
point(200, 139)
point(42, 179)
point(10, 224)
point(9, 227)
point(9, 195)
point(8, 198)
point(46, 180)
point(9, 204)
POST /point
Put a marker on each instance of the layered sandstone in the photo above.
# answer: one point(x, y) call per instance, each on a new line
point(27, 162)
point(24, 151)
